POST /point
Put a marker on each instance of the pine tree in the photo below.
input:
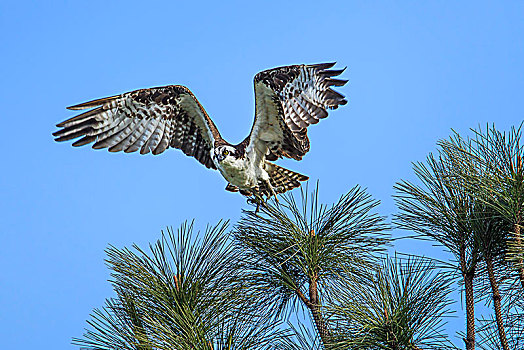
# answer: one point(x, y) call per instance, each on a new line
point(441, 208)
point(491, 166)
point(300, 252)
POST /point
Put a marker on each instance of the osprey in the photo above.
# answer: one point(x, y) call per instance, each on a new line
point(288, 99)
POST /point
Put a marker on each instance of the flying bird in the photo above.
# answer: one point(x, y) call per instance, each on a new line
point(288, 99)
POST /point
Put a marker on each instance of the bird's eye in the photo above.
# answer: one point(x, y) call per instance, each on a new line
point(225, 152)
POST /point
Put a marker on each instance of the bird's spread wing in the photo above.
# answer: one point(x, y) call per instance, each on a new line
point(288, 100)
point(147, 120)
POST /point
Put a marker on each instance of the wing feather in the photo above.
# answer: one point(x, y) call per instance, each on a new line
point(137, 132)
point(295, 122)
point(118, 141)
point(156, 136)
point(105, 134)
point(288, 100)
point(140, 136)
point(149, 120)
point(164, 140)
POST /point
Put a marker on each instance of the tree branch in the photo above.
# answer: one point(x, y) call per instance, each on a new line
point(496, 303)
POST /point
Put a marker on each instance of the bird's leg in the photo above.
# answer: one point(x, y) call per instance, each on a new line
point(257, 199)
point(273, 193)
point(260, 201)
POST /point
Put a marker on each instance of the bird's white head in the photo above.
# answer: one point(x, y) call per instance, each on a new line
point(225, 151)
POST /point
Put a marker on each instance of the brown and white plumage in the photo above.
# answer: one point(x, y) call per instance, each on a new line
point(288, 100)
point(149, 120)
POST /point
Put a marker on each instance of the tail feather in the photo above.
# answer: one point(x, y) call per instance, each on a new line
point(281, 179)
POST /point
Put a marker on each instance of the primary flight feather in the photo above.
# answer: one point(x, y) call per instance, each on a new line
point(288, 99)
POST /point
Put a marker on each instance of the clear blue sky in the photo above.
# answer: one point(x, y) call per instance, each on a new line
point(415, 69)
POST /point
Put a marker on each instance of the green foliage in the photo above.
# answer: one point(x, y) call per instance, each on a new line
point(440, 208)
point(289, 245)
point(492, 170)
point(513, 323)
point(234, 290)
point(185, 293)
point(471, 201)
point(301, 338)
point(498, 181)
point(401, 306)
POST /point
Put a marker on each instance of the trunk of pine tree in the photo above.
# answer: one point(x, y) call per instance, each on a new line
point(314, 306)
point(496, 303)
point(468, 274)
point(470, 311)
point(520, 267)
point(316, 312)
